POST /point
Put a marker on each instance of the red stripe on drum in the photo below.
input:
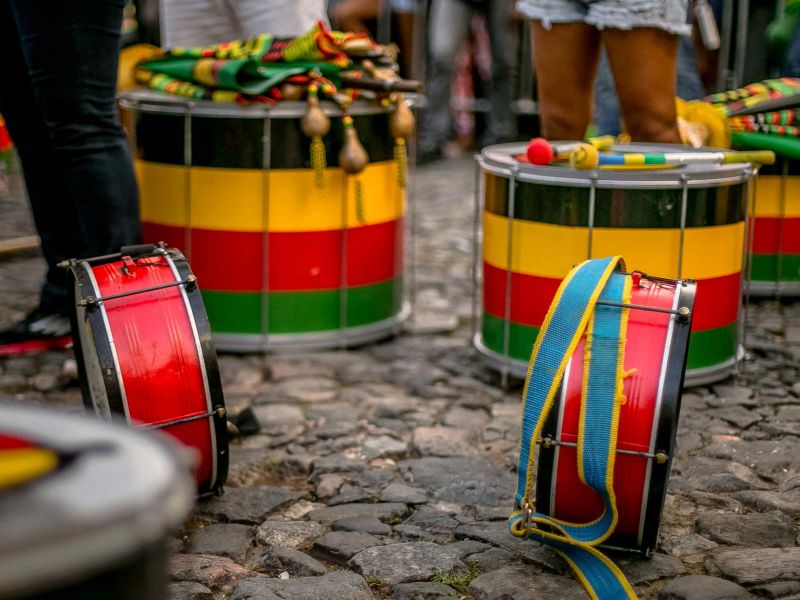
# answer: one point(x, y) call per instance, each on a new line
point(776, 235)
point(716, 304)
point(232, 261)
point(530, 295)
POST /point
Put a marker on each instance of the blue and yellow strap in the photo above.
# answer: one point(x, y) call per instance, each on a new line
point(573, 312)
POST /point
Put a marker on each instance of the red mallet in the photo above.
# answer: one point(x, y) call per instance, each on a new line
point(540, 152)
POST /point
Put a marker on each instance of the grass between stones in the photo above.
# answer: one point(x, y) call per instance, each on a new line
point(459, 581)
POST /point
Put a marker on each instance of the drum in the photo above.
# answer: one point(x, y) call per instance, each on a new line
point(775, 247)
point(284, 262)
point(86, 507)
point(144, 350)
point(655, 357)
point(684, 222)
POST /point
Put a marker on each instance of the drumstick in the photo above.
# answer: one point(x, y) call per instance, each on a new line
point(542, 152)
point(586, 156)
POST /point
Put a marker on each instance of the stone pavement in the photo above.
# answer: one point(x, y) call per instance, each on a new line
point(386, 471)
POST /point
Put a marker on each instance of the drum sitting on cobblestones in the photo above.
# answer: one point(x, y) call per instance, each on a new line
point(86, 507)
point(144, 351)
point(775, 248)
point(683, 222)
point(284, 261)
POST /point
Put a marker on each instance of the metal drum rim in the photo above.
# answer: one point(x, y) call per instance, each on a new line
point(498, 160)
point(99, 539)
point(155, 102)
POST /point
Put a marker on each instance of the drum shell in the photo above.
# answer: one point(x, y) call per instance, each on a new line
point(562, 217)
point(147, 356)
point(98, 526)
point(774, 258)
point(655, 360)
point(282, 262)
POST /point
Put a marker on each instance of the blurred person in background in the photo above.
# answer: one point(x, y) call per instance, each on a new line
point(57, 94)
point(640, 39)
point(204, 22)
point(448, 27)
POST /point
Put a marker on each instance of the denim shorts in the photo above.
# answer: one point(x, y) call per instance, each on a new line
point(669, 15)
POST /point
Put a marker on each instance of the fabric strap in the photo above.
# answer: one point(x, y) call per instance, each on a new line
point(573, 312)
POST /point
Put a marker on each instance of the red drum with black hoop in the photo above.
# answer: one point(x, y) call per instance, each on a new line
point(655, 361)
point(145, 351)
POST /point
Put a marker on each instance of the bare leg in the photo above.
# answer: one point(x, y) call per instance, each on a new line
point(643, 61)
point(565, 59)
point(351, 15)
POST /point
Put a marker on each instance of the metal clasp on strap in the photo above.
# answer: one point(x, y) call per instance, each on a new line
point(527, 511)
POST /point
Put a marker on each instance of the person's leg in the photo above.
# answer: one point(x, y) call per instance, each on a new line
point(71, 48)
point(689, 84)
point(643, 61)
point(565, 59)
point(500, 122)
point(55, 218)
point(351, 15)
point(449, 25)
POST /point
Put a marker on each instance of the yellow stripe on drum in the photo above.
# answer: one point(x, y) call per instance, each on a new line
point(233, 199)
point(552, 250)
point(768, 196)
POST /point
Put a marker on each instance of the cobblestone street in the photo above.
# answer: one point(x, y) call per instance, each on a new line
point(388, 471)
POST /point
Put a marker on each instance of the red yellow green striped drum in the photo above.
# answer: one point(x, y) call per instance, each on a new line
point(683, 222)
point(774, 267)
point(282, 262)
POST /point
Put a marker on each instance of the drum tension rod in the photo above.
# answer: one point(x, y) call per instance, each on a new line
point(683, 312)
point(660, 457)
point(90, 301)
point(219, 411)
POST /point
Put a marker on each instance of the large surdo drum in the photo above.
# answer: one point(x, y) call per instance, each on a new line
point(283, 261)
point(682, 223)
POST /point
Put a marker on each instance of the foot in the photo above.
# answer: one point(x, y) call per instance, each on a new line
point(426, 156)
point(41, 330)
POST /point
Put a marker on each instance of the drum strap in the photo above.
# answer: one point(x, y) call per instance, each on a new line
point(574, 311)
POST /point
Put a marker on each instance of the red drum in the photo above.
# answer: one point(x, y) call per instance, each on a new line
point(144, 350)
point(655, 358)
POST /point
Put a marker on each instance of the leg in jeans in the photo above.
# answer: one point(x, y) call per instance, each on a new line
point(500, 123)
point(449, 25)
point(81, 182)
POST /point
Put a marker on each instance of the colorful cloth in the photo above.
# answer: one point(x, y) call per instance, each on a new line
point(253, 69)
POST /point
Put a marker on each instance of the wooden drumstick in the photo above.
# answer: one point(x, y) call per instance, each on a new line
point(586, 156)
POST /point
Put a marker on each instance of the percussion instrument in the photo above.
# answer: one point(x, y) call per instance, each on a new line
point(774, 267)
point(539, 221)
point(86, 507)
point(284, 261)
point(655, 355)
point(601, 400)
point(144, 350)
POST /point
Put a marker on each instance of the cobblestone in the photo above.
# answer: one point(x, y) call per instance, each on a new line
point(413, 443)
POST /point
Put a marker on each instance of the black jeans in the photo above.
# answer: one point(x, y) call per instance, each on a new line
point(57, 93)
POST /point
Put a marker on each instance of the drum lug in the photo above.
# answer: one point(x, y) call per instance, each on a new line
point(684, 312)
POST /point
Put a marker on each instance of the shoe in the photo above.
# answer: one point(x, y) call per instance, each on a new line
point(41, 330)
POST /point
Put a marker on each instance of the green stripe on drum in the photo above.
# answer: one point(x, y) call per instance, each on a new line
point(638, 208)
point(302, 312)
point(521, 337)
point(712, 347)
point(230, 142)
point(765, 267)
point(706, 348)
